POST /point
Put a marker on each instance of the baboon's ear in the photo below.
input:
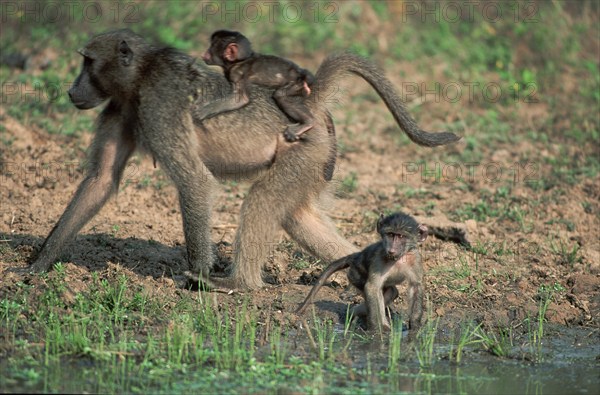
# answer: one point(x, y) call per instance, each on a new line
point(231, 52)
point(423, 232)
point(381, 216)
point(125, 53)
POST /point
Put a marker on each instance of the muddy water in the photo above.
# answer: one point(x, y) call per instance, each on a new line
point(480, 377)
point(571, 365)
point(500, 377)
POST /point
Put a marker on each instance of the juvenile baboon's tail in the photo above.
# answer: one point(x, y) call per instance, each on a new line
point(336, 266)
point(336, 66)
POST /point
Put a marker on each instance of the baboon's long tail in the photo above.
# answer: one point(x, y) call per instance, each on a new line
point(336, 266)
point(336, 66)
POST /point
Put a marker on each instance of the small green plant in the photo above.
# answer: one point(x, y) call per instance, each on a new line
point(181, 341)
point(498, 345)
point(113, 299)
point(233, 338)
point(348, 322)
point(394, 349)
point(518, 215)
point(481, 248)
point(9, 315)
point(480, 211)
point(144, 182)
point(428, 208)
point(300, 264)
point(468, 336)
point(568, 255)
point(570, 225)
point(279, 345)
point(501, 249)
point(114, 230)
point(545, 291)
point(349, 183)
point(325, 337)
point(536, 334)
point(425, 341)
point(462, 270)
point(410, 192)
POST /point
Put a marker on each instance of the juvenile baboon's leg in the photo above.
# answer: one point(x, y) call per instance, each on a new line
point(288, 99)
point(108, 155)
point(390, 294)
point(415, 305)
point(371, 308)
point(376, 301)
point(316, 233)
point(375, 304)
point(360, 310)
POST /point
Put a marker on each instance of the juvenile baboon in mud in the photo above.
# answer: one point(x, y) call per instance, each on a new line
point(243, 66)
point(376, 270)
point(153, 97)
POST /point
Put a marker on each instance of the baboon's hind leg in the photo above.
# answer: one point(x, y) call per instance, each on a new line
point(284, 198)
point(316, 233)
point(255, 236)
point(268, 203)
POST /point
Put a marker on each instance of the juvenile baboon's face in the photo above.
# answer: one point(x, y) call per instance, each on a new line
point(227, 47)
point(212, 56)
point(400, 233)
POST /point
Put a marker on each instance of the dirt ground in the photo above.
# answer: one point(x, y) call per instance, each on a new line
point(139, 232)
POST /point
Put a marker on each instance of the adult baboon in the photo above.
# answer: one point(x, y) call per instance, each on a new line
point(153, 94)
